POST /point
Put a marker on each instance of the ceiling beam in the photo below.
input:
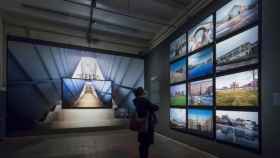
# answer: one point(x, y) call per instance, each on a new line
point(58, 27)
point(174, 3)
point(91, 20)
point(99, 24)
point(121, 14)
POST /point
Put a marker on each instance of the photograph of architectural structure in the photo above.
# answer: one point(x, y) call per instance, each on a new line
point(178, 71)
point(200, 93)
point(235, 15)
point(200, 122)
point(39, 69)
point(201, 34)
point(238, 127)
point(86, 93)
point(240, 89)
point(238, 51)
point(178, 48)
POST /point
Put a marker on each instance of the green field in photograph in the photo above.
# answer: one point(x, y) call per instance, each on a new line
point(178, 101)
point(237, 98)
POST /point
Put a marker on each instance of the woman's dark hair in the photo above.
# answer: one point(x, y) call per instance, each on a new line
point(138, 91)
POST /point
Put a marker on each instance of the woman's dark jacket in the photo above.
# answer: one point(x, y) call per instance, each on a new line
point(145, 108)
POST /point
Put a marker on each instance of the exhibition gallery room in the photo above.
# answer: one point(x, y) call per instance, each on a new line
point(139, 79)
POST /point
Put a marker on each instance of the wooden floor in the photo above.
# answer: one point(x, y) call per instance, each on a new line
point(109, 144)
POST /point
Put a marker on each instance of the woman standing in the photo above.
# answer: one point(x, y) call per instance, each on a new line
point(145, 109)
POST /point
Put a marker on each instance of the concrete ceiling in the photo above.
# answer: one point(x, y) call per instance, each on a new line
point(141, 24)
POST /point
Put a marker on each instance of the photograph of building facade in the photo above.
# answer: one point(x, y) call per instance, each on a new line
point(238, 51)
point(200, 122)
point(201, 93)
point(238, 127)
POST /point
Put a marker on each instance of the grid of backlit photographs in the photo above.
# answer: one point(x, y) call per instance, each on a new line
point(215, 77)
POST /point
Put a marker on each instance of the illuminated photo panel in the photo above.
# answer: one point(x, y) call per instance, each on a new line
point(238, 127)
point(201, 93)
point(178, 118)
point(178, 71)
point(178, 95)
point(235, 15)
point(201, 35)
point(239, 89)
point(178, 48)
point(200, 64)
point(200, 121)
point(238, 51)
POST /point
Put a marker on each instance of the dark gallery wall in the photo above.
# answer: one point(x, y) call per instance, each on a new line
point(157, 65)
point(2, 113)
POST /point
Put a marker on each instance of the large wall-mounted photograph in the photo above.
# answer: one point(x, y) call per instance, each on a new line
point(178, 71)
point(239, 89)
point(238, 127)
point(200, 64)
point(178, 48)
point(238, 51)
point(35, 71)
point(178, 118)
point(79, 93)
point(201, 35)
point(235, 15)
point(178, 95)
point(200, 93)
point(200, 122)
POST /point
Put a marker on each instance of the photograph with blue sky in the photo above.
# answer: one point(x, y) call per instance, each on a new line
point(200, 64)
point(238, 51)
point(240, 89)
point(200, 121)
point(201, 93)
point(178, 71)
point(178, 48)
point(235, 15)
point(201, 34)
point(178, 118)
point(238, 127)
point(178, 95)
